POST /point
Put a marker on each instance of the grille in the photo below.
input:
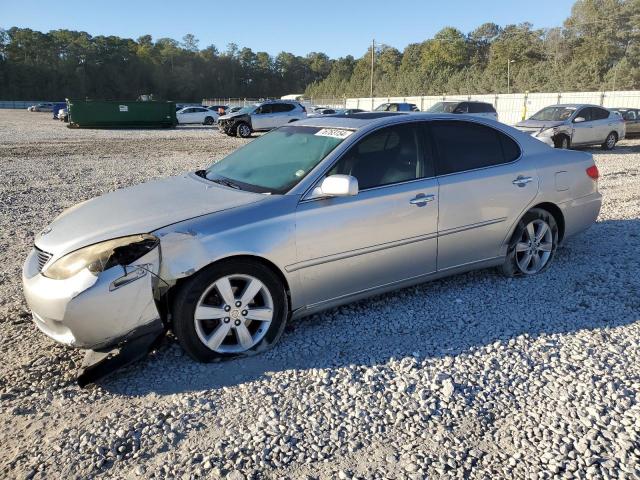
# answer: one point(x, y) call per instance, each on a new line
point(43, 258)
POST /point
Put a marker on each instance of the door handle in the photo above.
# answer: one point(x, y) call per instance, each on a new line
point(522, 181)
point(421, 199)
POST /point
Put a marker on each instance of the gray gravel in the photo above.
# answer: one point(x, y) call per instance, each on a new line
point(476, 376)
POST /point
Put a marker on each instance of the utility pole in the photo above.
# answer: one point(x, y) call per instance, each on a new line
point(509, 75)
point(373, 57)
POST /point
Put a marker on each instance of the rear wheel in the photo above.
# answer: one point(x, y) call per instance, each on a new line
point(243, 130)
point(232, 308)
point(208, 121)
point(532, 245)
point(610, 141)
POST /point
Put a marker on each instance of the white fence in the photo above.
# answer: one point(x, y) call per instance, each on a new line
point(243, 102)
point(513, 107)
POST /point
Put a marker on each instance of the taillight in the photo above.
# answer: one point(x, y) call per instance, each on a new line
point(592, 171)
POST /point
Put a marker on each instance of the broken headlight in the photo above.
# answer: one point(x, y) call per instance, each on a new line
point(547, 132)
point(101, 256)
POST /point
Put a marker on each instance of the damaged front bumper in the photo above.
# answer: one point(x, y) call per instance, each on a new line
point(95, 312)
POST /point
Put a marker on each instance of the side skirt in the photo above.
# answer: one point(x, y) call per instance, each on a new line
point(353, 297)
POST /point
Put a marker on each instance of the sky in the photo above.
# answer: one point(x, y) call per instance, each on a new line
point(335, 27)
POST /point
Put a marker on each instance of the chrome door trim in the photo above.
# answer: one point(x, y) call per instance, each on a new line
point(354, 253)
point(471, 226)
point(350, 297)
point(371, 189)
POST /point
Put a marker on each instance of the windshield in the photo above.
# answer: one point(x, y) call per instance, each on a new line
point(555, 114)
point(248, 109)
point(443, 107)
point(383, 108)
point(277, 161)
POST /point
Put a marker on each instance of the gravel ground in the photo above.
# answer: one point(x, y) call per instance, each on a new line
point(475, 376)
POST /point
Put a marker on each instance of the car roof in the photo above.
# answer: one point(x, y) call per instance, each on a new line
point(357, 121)
point(576, 105)
point(467, 101)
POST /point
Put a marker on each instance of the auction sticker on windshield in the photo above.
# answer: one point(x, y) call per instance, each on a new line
point(333, 132)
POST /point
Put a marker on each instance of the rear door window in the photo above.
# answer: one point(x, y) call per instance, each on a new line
point(599, 113)
point(463, 146)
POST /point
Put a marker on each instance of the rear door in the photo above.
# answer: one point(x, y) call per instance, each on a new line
point(383, 235)
point(484, 188)
point(281, 114)
point(603, 123)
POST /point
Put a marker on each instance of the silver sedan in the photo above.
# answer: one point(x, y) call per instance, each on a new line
point(312, 215)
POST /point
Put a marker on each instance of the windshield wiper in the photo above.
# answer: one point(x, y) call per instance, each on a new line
point(201, 173)
point(226, 183)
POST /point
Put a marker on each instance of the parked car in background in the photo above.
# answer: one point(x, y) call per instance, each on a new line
point(477, 109)
point(63, 114)
point(219, 109)
point(41, 107)
point(261, 117)
point(351, 111)
point(315, 214)
point(199, 115)
point(631, 117)
point(234, 109)
point(572, 125)
point(57, 107)
point(397, 107)
point(323, 111)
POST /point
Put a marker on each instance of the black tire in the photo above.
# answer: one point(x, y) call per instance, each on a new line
point(187, 298)
point(243, 129)
point(510, 267)
point(231, 131)
point(208, 121)
point(562, 142)
point(610, 141)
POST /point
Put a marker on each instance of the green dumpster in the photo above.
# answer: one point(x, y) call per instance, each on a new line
point(121, 114)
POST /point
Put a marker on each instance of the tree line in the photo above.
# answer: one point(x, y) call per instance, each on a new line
point(597, 48)
point(64, 63)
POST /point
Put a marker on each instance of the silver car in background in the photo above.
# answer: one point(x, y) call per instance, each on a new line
point(310, 216)
point(573, 125)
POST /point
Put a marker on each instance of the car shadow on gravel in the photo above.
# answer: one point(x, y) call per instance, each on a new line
point(589, 286)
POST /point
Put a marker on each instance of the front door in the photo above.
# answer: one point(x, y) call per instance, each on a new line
point(484, 188)
point(384, 234)
point(583, 132)
point(262, 118)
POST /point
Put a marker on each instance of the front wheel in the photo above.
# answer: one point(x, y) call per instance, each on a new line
point(230, 309)
point(532, 245)
point(610, 141)
point(243, 130)
point(562, 142)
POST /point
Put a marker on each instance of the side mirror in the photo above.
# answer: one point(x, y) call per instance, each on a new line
point(579, 120)
point(337, 186)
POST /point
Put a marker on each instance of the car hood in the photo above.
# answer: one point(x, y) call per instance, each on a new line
point(232, 115)
point(529, 124)
point(139, 209)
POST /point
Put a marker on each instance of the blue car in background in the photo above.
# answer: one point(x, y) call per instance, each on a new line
point(57, 107)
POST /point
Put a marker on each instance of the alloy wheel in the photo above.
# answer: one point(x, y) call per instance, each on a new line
point(534, 248)
point(233, 314)
point(611, 141)
point(244, 131)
